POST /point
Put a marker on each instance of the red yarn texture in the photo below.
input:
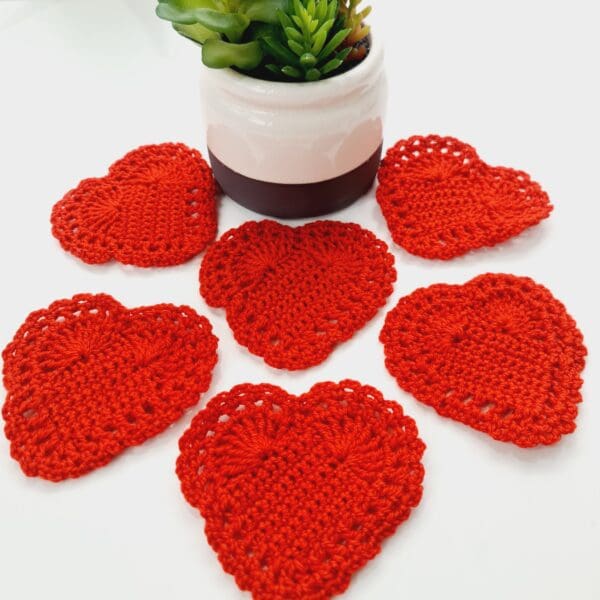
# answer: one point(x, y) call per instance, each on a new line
point(298, 493)
point(498, 353)
point(440, 200)
point(293, 294)
point(155, 208)
point(87, 377)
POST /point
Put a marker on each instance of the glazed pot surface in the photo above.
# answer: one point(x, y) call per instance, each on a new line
point(295, 150)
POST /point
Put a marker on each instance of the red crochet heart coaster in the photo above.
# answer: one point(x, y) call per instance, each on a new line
point(155, 208)
point(498, 353)
point(298, 493)
point(440, 200)
point(292, 294)
point(87, 378)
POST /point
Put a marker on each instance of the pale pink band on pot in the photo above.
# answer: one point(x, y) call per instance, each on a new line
point(296, 133)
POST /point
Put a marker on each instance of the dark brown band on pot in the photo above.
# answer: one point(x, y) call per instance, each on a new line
point(295, 201)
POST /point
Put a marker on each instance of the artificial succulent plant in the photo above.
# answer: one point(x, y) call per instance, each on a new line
point(286, 39)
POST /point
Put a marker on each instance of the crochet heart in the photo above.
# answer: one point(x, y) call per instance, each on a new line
point(440, 200)
point(155, 208)
point(298, 493)
point(292, 294)
point(87, 377)
point(498, 353)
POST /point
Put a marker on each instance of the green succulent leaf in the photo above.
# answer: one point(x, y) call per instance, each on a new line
point(284, 19)
point(182, 11)
point(343, 54)
point(298, 8)
point(296, 47)
point(258, 31)
point(332, 9)
point(321, 11)
point(332, 65)
point(313, 74)
point(196, 32)
point(279, 52)
point(326, 27)
point(230, 24)
point(219, 54)
point(333, 43)
point(265, 11)
point(291, 72)
point(319, 41)
point(308, 60)
point(294, 34)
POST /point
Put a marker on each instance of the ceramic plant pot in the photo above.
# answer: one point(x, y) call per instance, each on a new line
point(296, 150)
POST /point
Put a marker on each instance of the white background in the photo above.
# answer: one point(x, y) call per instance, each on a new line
point(84, 81)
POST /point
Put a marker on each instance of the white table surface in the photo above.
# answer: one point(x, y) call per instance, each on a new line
point(82, 82)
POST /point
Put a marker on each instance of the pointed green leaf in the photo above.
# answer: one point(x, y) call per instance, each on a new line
point(326, 26)
point(284, 19)
point(321, 10)
point(332, 9)
point(343, 54)
point(313, 75)
point(291, 72)
point(308, 60)
point(306, 18)
point(333, 43)
point(332, 65)
point(278, 51)
point(296, 47)
point(365, 13)
point(318, 42)
point(294, 34)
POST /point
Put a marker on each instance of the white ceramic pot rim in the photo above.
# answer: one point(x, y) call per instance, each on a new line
point(299, 94)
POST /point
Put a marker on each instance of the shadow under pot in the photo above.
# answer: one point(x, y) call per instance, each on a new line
point(294, 150)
